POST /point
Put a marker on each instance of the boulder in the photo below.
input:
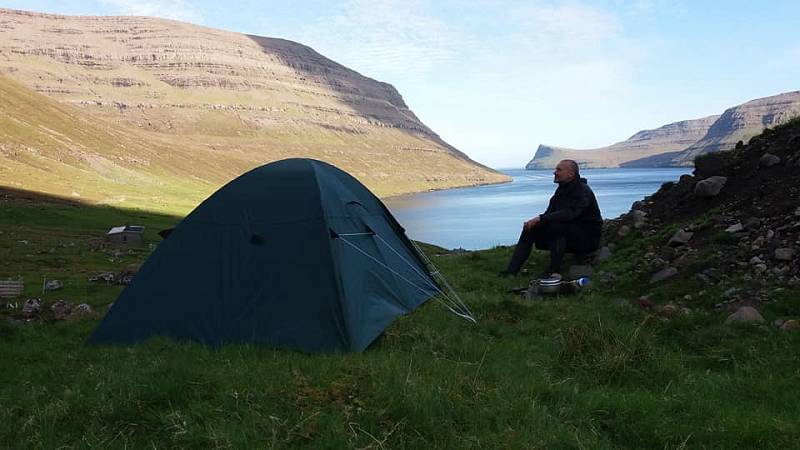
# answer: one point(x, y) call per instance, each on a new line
point(31, 307)
point(784, 254)
point(709, 187)
point(681, 237)
point(663, 274)
point(82, 310)
point(745, 314)
point(61, 309)
point(768, 160)
point(53, 285)
point(624, 231)
point(639, 218)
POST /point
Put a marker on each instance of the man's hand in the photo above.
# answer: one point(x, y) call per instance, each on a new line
point(531, 223)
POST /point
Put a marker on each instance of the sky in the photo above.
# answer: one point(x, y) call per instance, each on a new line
point(496, 78)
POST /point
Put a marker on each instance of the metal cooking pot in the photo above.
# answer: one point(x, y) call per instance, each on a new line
point(550, 286)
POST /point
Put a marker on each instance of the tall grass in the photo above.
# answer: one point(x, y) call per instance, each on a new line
point(583, 371)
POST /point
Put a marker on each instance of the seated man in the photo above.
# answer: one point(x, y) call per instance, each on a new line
point(572, 223)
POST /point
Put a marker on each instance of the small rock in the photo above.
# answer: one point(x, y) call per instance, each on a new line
point(31, 307)
point(709, 187)
point(669, 310)
point(760, 268)
point(667, 253)
point(735, 228)
point(681, 237)
point(784, 254)
point(713, 273)
point(645, 302)
point(752, 223)
point(782, 270)
point(745, 314)
point(61, 309)
point(624, 231)
point(82, 310)
point(778, 323)
point(756, 260)
point(705, 279)
point(768, 160)
point(108, 277)
point(730, 293)
point(790, 325)
point(797, 211)
point(53, 285)
point(758, 242)
point(663, 274)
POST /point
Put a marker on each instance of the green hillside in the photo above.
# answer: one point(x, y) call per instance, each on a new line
point(54, 148)
point(592, 370)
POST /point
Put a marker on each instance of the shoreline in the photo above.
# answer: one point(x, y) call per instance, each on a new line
point(466, 186)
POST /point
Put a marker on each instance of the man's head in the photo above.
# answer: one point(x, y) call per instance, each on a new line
point(566, 170)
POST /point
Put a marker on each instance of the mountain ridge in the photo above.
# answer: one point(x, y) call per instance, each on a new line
point(709, 134)
point(255, 99)
point(643, 143)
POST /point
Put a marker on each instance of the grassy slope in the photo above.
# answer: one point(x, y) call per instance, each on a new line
point(55, 148)
point(588, 371)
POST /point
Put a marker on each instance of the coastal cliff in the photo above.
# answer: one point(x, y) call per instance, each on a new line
point(678, 144)
point(671, 137)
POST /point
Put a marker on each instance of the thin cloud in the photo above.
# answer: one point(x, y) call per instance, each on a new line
point(569, 25)
point(389, 39)
point(167, 9)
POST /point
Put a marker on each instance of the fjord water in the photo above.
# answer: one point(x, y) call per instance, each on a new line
point(486, 216)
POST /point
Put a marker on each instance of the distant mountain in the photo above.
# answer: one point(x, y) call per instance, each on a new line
point(674, 136)
point(677, 144)
point(215, 103)
point(739, 123)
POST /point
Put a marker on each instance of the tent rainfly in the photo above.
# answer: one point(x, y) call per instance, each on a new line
point(295, 254)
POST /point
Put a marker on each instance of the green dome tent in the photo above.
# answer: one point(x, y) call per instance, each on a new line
point(295, 254)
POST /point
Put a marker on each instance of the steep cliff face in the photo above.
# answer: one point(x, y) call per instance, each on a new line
point(254, 99)
point(671, 137)
point(679, 143)
point(739, 123)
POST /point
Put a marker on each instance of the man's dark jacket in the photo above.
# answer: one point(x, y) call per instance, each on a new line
point(574, 202)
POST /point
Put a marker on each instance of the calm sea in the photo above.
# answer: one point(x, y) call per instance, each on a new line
point(485, 216)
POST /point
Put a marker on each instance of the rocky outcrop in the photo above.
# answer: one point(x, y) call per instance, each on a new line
point(672, 137)
point(232, 100)
point(743, 240)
